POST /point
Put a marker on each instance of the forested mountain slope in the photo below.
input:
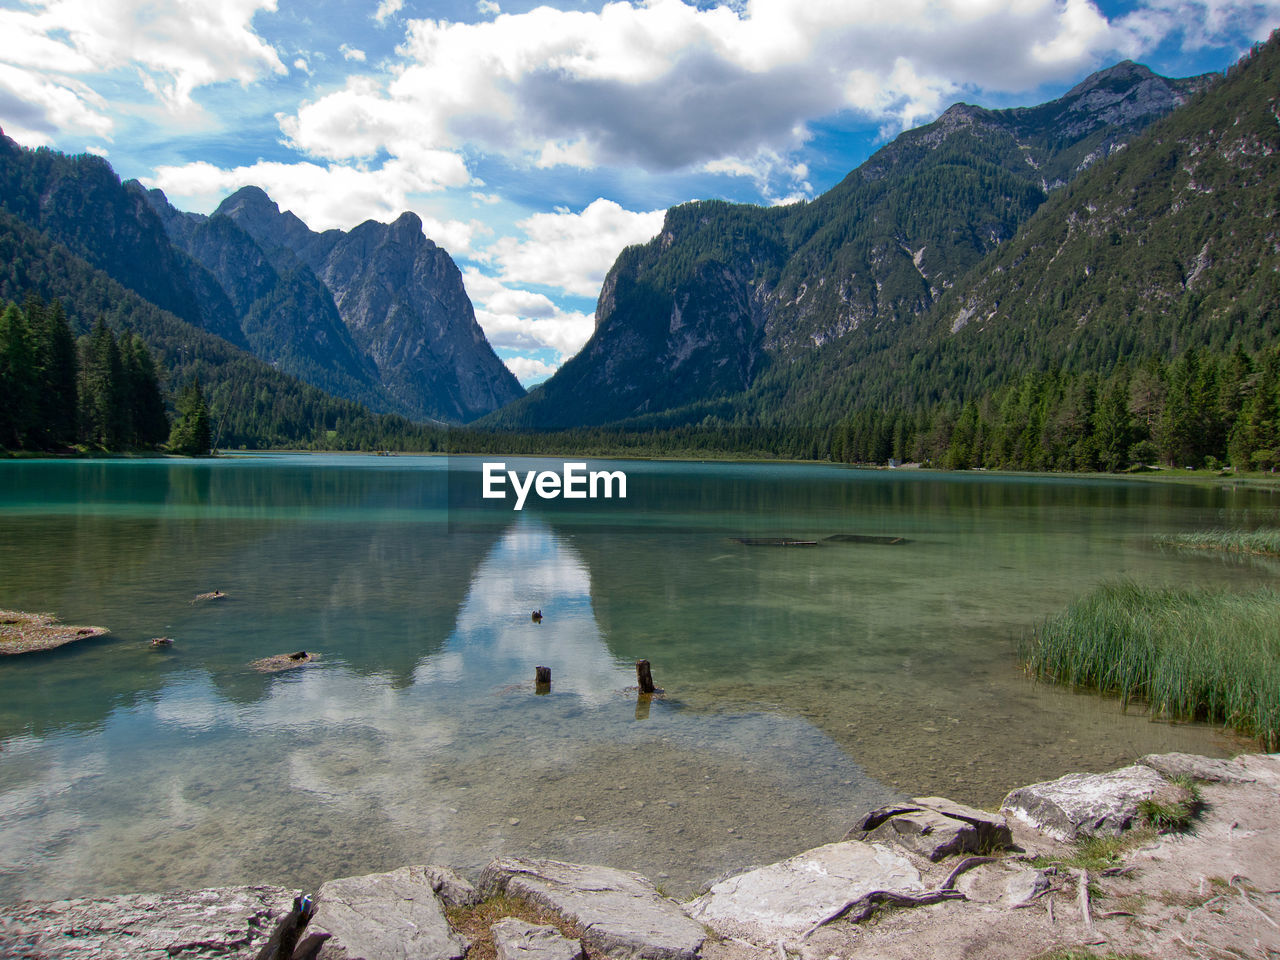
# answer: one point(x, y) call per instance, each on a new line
point(727, 291)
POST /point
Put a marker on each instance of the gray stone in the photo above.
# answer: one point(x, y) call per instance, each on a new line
point(383, 916)
point(1025, 885)
point(927, 833)
point(218, 922)
point(517, 940)
point(1083, 804)
point(993, 828)
point(621, 913)
point(1197, 768)
point(452, 889)
point(785, 899)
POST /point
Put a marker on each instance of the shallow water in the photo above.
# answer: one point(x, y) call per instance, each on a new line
point(803, 684)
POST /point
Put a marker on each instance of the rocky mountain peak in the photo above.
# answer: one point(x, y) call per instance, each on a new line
point(262, 218)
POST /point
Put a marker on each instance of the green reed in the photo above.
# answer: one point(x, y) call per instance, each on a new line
point(1188, 654)
point(1264, 542)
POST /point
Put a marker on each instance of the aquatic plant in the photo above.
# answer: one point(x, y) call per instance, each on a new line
point(1188, 654)
point(1264, 542)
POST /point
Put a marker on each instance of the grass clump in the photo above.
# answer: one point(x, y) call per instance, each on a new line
point(1258, 542)
point(1188, 654)
point(1175, 812)
point(1096, 854)
point(475, 922)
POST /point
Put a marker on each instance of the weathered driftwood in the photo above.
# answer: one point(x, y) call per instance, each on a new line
point(284, 661)
point(215, 595)
point(774, 542)
point(28, 632)
point(541, 680)
point(864, 538)
point(861, 908)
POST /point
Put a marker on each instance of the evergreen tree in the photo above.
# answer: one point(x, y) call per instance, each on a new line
point(57, 374)
point(18, 383)
point(148, 422)
point(191, 434)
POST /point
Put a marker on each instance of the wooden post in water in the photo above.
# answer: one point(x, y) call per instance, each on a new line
point(542, 680)
point(645, 676)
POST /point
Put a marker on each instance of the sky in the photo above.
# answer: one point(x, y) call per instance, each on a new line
point(537, 140)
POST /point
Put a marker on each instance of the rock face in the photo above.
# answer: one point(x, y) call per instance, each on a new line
point(785, 899)
point(621, 914)
point(517, 940)
point(219, 922)
point(402, 300)
point(394, 914)
point(1084, 804)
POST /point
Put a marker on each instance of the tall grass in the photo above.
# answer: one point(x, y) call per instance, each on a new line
point(1265, 542)
point(1188, 654)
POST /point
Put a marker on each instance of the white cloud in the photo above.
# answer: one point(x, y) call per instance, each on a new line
point(387, 9)
point(666, 85)
point(175, 45)
point(572, 251)
point(530, 370)
point(33, 108)
point(487, 7)
point(352, 53)
point(301, 64)
point(515, 319)
point(325, 197)
point(488, 199)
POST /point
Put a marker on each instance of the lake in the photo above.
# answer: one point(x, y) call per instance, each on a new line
point(803, 684)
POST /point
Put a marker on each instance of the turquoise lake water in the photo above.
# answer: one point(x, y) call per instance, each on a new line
point(803, 684)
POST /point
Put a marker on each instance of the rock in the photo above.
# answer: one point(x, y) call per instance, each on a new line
point(218, 922)
point(1084, 804)
point(993, 828)
point(450, 887)
point(785, 899)
point(927, 833)
point(933, 827)
point(621, 912)
point(1197, 768)
point(1025, 885)
point(516, 940)
point(394, 914)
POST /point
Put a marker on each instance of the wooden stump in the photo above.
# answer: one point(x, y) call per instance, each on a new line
point(645, 676)
point(542, 680)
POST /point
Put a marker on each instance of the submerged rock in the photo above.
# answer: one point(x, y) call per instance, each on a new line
point(786, 899)
point(395, 914)
point(517, 940)
point(217, 922)
point(1085, 804)
point(621, 912)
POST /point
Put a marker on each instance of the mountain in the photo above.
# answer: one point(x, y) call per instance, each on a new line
point(402, 299)
point(404, 339)
point(286, 314)
point(728, 292)
point(1167, 245)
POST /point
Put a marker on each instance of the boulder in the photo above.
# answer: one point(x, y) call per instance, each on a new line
point(382, 915)
point(218, 922)
point(452, 889)
point(517, 940)
point(1197, 768)
point(786, 899)
point(1084, 804)
point(621, 913)
point(933, 827)
point(993, 828)
point(926, 833)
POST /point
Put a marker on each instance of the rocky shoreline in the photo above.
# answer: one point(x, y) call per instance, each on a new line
point(1066, 869)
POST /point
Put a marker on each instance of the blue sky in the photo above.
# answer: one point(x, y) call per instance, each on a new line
point(537, 140)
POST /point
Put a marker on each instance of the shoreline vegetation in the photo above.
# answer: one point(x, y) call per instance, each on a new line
point(1201, 654)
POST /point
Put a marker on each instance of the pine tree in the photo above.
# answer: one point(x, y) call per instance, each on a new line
point(148, 422)
point(57, 371)
point(191, 435)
